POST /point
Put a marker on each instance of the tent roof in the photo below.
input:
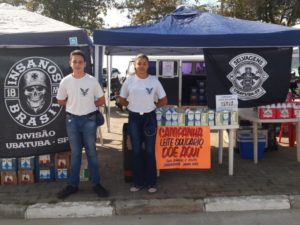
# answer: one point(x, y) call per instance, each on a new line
point(193, 30)
point(22, 27)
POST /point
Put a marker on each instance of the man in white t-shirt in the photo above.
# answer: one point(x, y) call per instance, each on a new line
point(81, 94)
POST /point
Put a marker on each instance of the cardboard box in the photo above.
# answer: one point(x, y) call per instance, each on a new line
point(9, 177)
point(45, 160)
point(25, 176)
point(62, 174)
point(62, 160)
point(45, 174)
point(26, 163)
point(8, 164)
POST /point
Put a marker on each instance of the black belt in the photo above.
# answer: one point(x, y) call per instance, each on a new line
point(89, 114)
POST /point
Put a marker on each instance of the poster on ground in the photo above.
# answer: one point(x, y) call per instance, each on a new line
point(32, 123)
point(183, 147)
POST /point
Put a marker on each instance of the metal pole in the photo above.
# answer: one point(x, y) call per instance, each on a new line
point(108, 68)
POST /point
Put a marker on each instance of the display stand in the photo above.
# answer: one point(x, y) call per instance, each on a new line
point(251, 115)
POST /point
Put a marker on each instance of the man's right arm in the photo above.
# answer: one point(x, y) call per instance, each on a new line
point(62, 96)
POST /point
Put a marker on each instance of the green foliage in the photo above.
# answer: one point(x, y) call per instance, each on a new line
point(87, 13)
point(80, 13)
point(142, 11)
point(274, 11)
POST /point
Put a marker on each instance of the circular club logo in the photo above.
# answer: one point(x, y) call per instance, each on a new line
point(30, 89)
point(247, 76)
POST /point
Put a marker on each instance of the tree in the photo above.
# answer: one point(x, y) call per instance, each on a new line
point(142, 11)
point(274, 11)
point(81, 13)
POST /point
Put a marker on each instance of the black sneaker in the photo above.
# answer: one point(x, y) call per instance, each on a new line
point(100, 191)
point(68, 190)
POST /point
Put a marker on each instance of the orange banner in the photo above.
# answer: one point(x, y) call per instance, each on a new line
point(183, 147)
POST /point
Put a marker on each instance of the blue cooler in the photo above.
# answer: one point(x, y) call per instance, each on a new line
point(245, 141)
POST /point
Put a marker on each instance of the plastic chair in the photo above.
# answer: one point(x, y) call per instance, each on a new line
point(291, 133)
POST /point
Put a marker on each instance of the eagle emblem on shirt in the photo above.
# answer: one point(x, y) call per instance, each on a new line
point(149, 90)
point(84, 92)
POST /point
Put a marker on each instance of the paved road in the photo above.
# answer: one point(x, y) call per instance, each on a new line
point(279, 217)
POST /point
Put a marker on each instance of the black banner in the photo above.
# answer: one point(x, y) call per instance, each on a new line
point(32, 123)
point(256, 76)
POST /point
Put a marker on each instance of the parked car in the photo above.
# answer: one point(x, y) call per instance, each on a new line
point(115, 73)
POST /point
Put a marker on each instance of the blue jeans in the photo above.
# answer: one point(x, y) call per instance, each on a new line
point(142, 128)
point(82, 133)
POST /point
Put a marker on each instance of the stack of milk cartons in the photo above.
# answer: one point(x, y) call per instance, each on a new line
point(8, 171)
point(234, 118)
point(197, 117)
point(204, 118)
point(168, 117)
point(45, 167)
point(26, 170)
point(174, 117)
point(211, 117)
point(62, 165)
point(181, 117)
point(190, 117)
point(159, 116)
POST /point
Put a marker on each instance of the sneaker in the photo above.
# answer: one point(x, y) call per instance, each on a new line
point(134, 189)
point(100, 191)
point(152, 189)
point(68, 190)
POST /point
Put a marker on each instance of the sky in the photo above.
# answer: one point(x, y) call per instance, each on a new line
point(115, 18)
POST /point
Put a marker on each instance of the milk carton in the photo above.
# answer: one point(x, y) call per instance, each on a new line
point(211, 117)
point(181, 117)
point(219, 118)
point(190, 117)
point(168, 117)
point(234, 118)
point(174, 117)
point(204, 118)
point(159, 116)
point(198, 117)
point(225, 118)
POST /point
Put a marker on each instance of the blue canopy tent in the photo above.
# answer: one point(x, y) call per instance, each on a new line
point(186, 31)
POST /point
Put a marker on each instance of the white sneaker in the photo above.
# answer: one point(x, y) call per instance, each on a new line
point(134, 189)
point(152, 189)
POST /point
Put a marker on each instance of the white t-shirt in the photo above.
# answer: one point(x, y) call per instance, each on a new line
point(141, 93)
point(81, 93)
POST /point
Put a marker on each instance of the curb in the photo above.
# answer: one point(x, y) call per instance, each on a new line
point(155, 206)
point(151, 206)
point(69, 210)
point(245, 203)
point(12, 211)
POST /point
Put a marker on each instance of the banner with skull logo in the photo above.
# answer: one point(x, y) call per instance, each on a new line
point(257, 76)
point(32, 123)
